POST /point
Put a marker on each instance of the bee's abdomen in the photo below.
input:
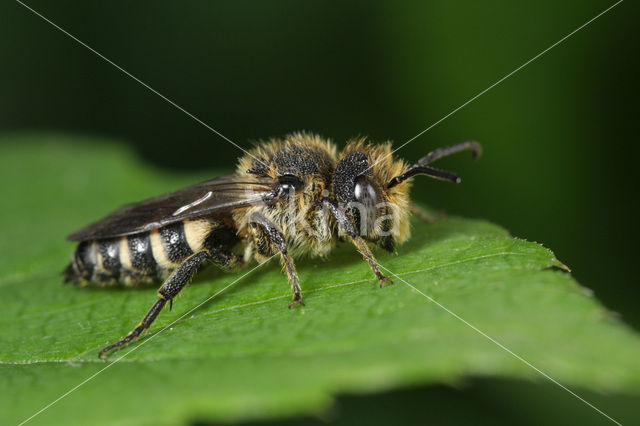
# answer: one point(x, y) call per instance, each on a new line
point(138, 258)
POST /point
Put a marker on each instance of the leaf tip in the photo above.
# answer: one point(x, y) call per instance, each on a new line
point(560, 265)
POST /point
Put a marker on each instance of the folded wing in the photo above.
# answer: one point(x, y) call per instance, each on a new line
point(218, 195)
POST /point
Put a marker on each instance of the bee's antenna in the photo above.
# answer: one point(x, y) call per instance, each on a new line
point(448, 150)
point(421, 168)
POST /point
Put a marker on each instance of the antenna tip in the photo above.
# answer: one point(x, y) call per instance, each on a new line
point(477, 150)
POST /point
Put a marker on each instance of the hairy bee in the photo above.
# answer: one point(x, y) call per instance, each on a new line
point(291, 196)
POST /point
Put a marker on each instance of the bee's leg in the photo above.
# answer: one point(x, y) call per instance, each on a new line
point(423, 214)
point(292, 274)
point(345, 225)
point(363, 248)
point(218, 245)
point(277, 239)
point(225, 259)
point(171, 287)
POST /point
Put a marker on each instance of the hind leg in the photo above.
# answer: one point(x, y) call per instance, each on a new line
point(173, 285)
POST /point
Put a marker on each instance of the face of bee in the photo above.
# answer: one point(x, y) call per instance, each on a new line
point(359, 186)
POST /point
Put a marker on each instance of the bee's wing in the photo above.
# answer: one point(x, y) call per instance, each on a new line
point(222, 194)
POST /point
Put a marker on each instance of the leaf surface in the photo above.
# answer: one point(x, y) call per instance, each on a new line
point(243, 354)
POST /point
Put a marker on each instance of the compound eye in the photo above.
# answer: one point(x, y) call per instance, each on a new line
point(289, 181)
point(364, 192)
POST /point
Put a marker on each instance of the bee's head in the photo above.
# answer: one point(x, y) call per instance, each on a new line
point(371, 187)
point(359, 187)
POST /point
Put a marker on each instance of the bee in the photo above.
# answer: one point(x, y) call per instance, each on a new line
point(291, 196)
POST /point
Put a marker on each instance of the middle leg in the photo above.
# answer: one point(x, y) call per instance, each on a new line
point(277, 239)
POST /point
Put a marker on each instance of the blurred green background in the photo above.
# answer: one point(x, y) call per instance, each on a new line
point(559, 135)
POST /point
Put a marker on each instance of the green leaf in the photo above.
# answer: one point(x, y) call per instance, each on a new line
point(245, 355)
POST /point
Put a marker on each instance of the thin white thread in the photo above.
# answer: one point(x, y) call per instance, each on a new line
point(498, 82)
point(139, 81)
point(139, 345)
point(500, 345)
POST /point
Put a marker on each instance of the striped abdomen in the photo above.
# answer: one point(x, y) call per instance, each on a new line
point(138, 258)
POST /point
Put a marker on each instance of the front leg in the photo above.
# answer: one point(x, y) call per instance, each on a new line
point(345, 226)
point(277, 239)
point(363, 248)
